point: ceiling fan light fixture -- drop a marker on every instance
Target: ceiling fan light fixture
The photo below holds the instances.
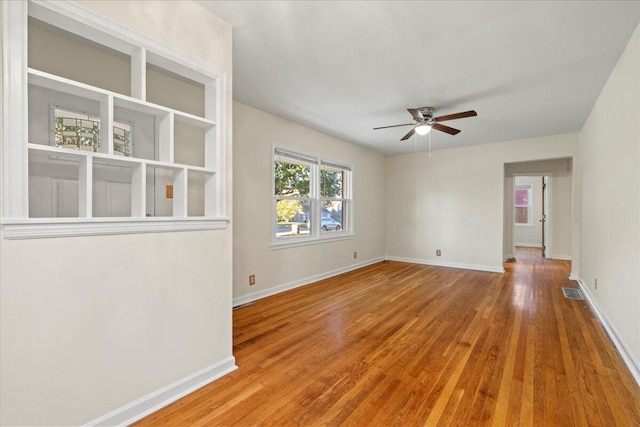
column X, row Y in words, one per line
column 423, row 129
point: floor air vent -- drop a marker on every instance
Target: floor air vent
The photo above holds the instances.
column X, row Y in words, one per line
column 573, row 293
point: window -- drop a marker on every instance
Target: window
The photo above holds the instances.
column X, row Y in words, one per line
column 76, row 131
column 81, row 131
column 122, row 144
column 311, row 198
column 522, row 204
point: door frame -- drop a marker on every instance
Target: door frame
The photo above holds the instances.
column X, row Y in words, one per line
column 547, row 211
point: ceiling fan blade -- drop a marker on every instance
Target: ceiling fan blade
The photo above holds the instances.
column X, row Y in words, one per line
column 409, row 135
column 455, row 116
column 446, row 129
column 417, row 114
column 394, row 126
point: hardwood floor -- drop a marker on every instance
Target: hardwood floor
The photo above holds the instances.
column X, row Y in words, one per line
column 406, row 344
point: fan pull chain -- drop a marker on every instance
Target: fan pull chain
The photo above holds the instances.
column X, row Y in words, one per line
column 429, row 144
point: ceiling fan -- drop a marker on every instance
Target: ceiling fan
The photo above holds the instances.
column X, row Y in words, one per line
column 424, row 121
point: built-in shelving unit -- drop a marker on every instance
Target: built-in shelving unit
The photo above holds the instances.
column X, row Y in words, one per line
column 105, row 130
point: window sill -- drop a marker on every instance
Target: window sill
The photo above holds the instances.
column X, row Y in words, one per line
column 292, row 243
column 525, row 225
column 36, row 228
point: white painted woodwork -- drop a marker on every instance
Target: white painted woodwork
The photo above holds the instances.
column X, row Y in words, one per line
column 139, row 74
column 165, row 137
column 180, row 191
column 138, row 186
column 14, row 65
column 106, row 122
column 85, row 190
column 31, row 91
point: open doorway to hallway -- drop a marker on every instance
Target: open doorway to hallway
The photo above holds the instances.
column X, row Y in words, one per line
column 529, row 212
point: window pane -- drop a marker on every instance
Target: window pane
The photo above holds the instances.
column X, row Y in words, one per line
column 77, row 131
column 522, row 215
column 522, row 197
column 331, row 182
column 332, row 216
column 291, row 179
column 122, row 139
column 293, row 218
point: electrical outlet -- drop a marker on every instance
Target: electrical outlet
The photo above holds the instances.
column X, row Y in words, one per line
column 252, row 280
column 438, row 252
column 355, row 255
column 596, row 283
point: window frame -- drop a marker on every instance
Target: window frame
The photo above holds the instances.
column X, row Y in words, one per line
column 316, row 163
column 529, row 188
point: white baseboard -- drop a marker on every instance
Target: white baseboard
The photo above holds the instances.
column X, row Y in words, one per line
column 245, row 299
column 627, row 356
column 152, row 402
column 561, row 257
column 489, row 268
column 529, row 245
column 302, row 282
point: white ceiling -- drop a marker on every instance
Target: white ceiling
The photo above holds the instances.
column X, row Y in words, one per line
column 529, row 68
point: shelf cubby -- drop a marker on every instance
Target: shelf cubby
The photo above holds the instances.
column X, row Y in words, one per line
column 54, row 184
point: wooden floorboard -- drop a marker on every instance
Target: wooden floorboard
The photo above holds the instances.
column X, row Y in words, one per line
column 405, row 344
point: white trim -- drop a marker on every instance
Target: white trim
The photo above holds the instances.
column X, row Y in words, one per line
column 152, row 402
column 302, row 282
column 304, row 241
column 312, row 279
column 315, row 199
column 623, row 349
column 463, row 266
column 560, row 257
column 529, row 245
column 69, row 227
column 14, row 111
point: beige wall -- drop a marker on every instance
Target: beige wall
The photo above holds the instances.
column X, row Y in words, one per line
column 454, row 200
column 89, row 324
column 255, row 132
column 562, row 215
column 610, row 150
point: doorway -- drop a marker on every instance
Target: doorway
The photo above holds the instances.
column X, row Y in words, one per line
column 558, row 208
column 531, row 212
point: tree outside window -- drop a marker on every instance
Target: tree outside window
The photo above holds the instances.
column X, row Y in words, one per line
column 310, row 196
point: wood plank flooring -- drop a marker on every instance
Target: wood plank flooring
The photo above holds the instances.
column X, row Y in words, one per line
column 405, row 344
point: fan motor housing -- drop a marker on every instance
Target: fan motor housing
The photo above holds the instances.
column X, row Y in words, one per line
column 427, row 111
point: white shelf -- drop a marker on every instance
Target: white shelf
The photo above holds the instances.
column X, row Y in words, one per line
column 192, row 120
column 62, row 84
column 34, row 97
column 114, row 159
